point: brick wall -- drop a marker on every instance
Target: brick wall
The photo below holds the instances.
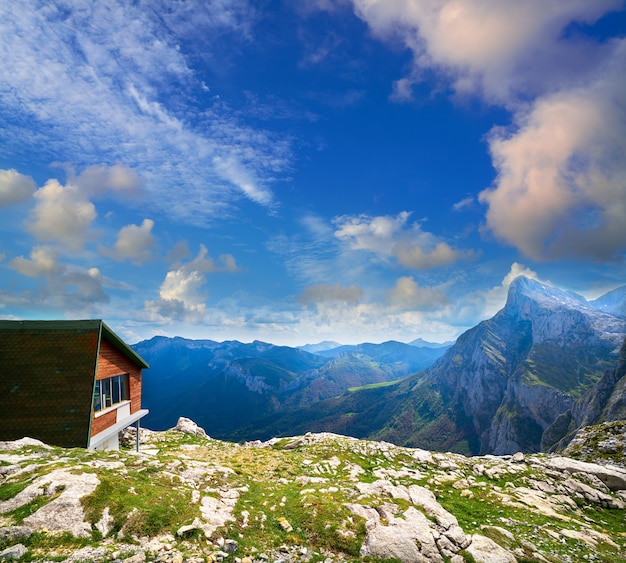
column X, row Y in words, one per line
column 112, row 362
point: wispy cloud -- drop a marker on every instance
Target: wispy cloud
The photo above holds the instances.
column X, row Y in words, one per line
column 103, row 83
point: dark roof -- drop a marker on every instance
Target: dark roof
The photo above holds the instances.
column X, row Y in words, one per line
column 48, row 368
column 91, row 324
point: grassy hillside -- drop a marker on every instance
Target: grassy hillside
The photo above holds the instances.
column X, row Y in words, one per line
column 318, row 497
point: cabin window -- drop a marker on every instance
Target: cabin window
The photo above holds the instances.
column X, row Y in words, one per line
column 110, row 391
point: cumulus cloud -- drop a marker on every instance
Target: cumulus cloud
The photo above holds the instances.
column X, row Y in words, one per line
column 389, row 236
column 106, row 181
column 61, row 214
column 412, row 254
column 495, row 47
column 181, row 295
column 68, row 287
column 407, row 294
column 44, row 260
column 15, row 187
column 134, row 243
column 376, row 234
column 561, row 184
column 330, row 293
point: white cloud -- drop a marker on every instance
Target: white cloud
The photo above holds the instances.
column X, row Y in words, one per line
column 181, row 295
column 463, row 204
column 15, row 187
column 375, row 234
column 389, row 236
column 134, row 242
column 128, row 75
column 495, row 47
column 62, row 215
column 330, row 293
column 67, row 287
column 483, row 304
column 44, row 260
column 408, row 294
column 106, row 181
column 411, row 254
column 561, row 185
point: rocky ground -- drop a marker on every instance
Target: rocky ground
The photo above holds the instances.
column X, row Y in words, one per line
column 318, row 497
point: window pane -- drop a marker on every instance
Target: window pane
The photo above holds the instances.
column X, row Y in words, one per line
column 116, row 389
column 97, row 397
column 106, row 392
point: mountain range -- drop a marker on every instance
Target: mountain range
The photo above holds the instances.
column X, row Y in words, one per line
column 524, row 380
column 225, row 386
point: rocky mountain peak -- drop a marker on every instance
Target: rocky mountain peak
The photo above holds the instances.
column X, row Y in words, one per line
column 524, row 290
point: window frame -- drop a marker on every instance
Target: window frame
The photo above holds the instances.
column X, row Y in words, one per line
column 110, row 392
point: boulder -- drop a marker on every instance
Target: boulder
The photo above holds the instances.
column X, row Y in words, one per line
column 485, row 550
column 13, row 552
column 188, row 426
column 613, row 477
column 62, row 514
column 14, row 533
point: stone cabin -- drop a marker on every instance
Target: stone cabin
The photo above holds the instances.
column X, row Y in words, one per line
column 68, row 383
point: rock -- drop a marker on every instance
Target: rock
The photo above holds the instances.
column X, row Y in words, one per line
column 189, row 527
column 23, row 443
column 517, row 457
column 188, row 426
column 63, row 514
column 425, row 499
column 14, row 533
column 13, row 552
column 408, row 538
column 485, row 550
column 216, row 512
column 137, row 558
column 105, row 524
column 613, row 477
column 230, row 546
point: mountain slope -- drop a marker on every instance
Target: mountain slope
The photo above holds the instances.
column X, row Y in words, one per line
column 226, row 386
column 604, row 402
column 496, row 390
column 506, row 380
column 613, row 302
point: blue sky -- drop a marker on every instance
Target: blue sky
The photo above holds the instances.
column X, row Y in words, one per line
column 306, row 170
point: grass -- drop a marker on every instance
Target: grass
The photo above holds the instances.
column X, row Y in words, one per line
column 310, row 487
column 374, row 385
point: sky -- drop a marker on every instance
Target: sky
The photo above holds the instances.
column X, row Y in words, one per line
column 294, row 171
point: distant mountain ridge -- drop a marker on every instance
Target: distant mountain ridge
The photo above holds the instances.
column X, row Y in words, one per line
column 227, row 385
column 496, row 390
